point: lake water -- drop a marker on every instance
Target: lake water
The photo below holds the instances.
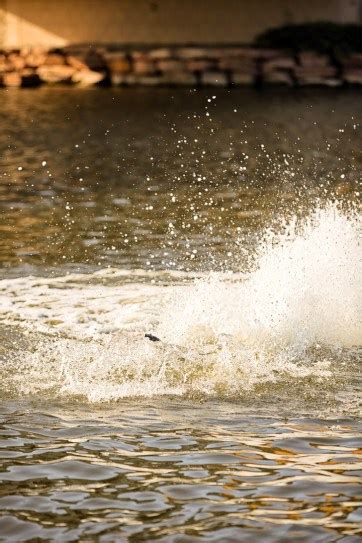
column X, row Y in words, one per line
column 227, row 224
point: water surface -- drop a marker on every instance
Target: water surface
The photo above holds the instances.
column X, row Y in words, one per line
column 227, row 223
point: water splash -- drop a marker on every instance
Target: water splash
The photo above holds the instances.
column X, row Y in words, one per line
column 295, row 315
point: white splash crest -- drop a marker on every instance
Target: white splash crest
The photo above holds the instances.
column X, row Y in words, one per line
column 221, row 334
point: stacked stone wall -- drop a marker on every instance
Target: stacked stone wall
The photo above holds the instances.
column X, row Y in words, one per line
column 175, row 66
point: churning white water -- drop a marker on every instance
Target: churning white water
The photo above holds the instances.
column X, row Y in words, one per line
column 296, row 314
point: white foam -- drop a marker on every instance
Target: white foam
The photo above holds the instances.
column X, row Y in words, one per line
column 221, row 333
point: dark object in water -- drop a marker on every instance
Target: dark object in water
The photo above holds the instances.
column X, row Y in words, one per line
column 152, row 338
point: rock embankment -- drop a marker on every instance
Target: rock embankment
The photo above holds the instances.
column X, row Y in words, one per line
column 175, row 66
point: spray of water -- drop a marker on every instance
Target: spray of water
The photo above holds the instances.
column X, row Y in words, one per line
column 297, row 314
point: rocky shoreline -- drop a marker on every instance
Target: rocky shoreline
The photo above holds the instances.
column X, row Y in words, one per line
column 176, row 66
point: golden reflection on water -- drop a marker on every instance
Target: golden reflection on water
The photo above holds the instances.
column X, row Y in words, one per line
column 150, row 471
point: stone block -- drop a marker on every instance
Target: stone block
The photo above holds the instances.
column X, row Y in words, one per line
column 56, row 74
column 277, row 77
column 237, row 64
column 16, row 61
column 283, row 62
column 169, row 65
column 199, row 65
column 12, row 79
column 143, row 67
column 192, row 53
column 54, row 59
column 310, row 80
column 214, row 79
column 76, row 62
column 87, row 78
column 179, row 78
column 242, row 78
column 302, row 72
column 308, row 58
column 118, row 63
column 140, row 56
column 267, row 54
column 353, row 76
column 35, row 59
column 158, row 54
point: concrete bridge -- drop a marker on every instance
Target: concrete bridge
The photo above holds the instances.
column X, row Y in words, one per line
column 52, row 23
